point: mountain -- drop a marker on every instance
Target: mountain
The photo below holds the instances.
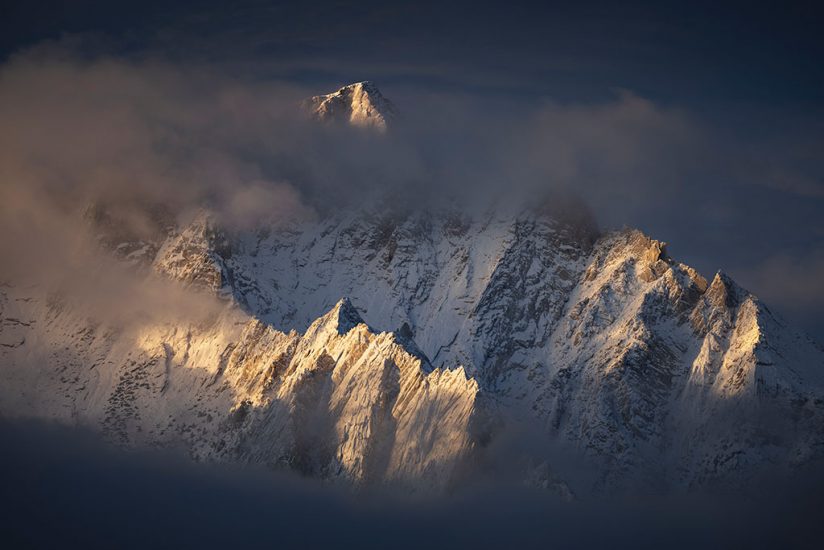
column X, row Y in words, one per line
column 359, row 104
column 387, row 345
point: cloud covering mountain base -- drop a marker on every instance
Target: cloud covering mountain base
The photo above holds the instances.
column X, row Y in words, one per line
column 66, row 487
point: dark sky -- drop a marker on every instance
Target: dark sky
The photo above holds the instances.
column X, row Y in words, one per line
column 747, row 196
column 703, row 54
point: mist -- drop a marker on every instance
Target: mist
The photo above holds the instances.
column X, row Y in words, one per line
column 92, row 496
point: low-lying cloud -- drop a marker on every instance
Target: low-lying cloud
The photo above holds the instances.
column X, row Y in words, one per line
column 65, row 487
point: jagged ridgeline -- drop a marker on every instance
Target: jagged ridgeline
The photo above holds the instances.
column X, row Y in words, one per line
column 377, row 345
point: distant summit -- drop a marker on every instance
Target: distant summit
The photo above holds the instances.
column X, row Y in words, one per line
column 358, row 104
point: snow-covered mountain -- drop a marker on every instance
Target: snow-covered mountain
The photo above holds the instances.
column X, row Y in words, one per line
column 387, row 345
column 358, row 104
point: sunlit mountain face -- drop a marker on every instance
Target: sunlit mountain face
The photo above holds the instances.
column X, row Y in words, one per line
column 235, row 271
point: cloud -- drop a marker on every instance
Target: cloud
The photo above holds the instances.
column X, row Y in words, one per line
column 143, row 142
column 125, row 132
column 623, row 155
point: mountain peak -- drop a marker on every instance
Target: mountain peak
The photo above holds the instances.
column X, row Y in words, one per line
column 358, row 104
column 346, row 314
column 343, row 317
column 723, row 290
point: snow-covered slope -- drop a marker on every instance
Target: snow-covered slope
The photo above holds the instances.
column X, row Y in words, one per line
column 340, row 401
column 389, row 345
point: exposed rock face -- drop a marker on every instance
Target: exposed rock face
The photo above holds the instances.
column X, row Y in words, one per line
column 383, row 346
column 196, row 255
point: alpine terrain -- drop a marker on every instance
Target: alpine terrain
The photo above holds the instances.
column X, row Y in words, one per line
column 399, row 345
